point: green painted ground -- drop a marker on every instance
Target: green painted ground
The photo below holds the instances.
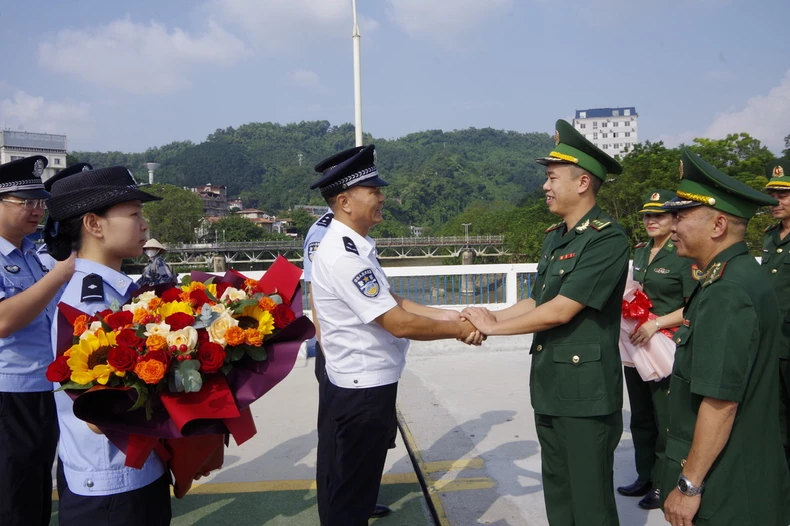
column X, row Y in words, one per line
column 286, row 508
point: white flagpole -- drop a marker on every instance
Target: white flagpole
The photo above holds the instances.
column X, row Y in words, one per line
column 355, row 37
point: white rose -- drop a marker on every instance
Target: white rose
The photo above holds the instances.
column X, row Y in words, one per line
column 219, row 308
column 160, row 329
column 232, row 294
column 217, row 330
column 187, row 336
column 95, row 326
column 141, row 302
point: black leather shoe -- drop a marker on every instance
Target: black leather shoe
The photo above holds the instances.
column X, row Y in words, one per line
column 380, row 511
column 651, row 501
column 637, row 489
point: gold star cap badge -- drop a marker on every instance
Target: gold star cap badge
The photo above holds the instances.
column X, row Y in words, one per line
column 556, row 137
column 778, row 171
column 655, row 197
column 680, row 169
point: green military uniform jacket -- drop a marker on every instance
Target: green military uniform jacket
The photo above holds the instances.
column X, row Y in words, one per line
column 668, row 280
column 576, row 369
column 727, row 349
column 776, row 265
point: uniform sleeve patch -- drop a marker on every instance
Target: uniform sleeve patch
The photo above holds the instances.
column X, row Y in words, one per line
column 349, row 245
column 367, row 283
column 311, row 248
column 696, row 273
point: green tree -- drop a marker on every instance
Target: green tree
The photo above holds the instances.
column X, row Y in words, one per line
column 235, row 229
column 786, row 151
column 302, row 220
column 174, row 218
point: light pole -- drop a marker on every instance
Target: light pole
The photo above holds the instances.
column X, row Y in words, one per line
column 151, row 167
column 466, row 232
column 355, row 37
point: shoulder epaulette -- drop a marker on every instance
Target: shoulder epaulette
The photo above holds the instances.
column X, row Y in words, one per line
column 554, row 227
column 771, row 227
column 92, row 288
column 325, row 219
column 640, row 245
column 349, row 245
column 599, row 224
column 714, row 273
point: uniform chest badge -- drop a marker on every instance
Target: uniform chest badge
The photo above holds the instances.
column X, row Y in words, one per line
column 311, row 248
column 661, row 270
column 567, row 256
column 367, row 283
column 13, row 269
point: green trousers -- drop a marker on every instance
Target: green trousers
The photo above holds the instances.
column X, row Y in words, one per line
column 577, row 457
column 649, row 422
column 784, row 405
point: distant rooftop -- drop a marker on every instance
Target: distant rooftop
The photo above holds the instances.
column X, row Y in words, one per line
column 21, row 139
column 597, row 113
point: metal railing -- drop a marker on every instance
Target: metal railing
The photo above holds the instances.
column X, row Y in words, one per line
column 381, row 242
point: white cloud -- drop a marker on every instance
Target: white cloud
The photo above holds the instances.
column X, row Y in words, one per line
column 278, row 26
column 445, row 21
column 23, row 111
column 765, row 117
column 137, row 58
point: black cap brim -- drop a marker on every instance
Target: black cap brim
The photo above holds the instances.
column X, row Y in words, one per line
column 31, row 194
column 545, row 161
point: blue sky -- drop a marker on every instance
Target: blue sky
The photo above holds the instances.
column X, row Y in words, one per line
column 130, row 75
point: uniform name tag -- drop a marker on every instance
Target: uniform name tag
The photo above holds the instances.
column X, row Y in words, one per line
column 367, row 283
column 311, row 248
column 567, row 256
column 13, row 269
column 661, row 270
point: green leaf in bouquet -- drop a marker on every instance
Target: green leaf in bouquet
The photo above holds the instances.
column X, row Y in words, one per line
column 142, row 395
column 276, row 298
column 75, row 386
column 240, row 306
column 210, row 296
column 205, row 318
column 188, row 376
column 104, row 324
column 186, row 279
column 115, row 306
column 225, row 369
column 140, row 332
column 236, row 353
column 258, row 354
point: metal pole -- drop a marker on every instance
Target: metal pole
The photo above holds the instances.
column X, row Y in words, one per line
column 355, row 37
column 466, row 232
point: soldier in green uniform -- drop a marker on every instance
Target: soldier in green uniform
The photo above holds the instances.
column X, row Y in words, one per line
column 576, row 380
column 724, row 459
column 667, row 280
column 776, row 265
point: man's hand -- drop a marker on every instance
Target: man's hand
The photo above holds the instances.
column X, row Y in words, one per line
column 482, row 318
column 680, row 509
column 645, row 331
column 65, row 269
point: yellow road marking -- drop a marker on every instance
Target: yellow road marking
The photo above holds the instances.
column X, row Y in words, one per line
column 462, row 484
column 454, row 465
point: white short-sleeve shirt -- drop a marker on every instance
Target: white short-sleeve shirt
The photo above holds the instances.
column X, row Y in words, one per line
column 350, row 290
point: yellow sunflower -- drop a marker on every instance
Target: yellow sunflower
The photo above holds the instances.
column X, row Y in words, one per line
column 166, row 309
column 196, row 285
column 88, row 359
column 254, row 317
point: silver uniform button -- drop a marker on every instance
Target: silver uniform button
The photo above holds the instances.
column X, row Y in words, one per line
column 539, row 348
column 778, row 250
column 356, row 381
column 575, row 359
column 562, row 271
column 89, row 483
column 773, row 271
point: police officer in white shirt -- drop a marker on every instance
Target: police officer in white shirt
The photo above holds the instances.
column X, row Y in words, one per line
column 364, row 332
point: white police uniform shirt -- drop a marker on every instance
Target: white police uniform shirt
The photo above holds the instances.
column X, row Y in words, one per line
column 350, row 290
column 93, row 466
column 311, row 242
column 25, row 354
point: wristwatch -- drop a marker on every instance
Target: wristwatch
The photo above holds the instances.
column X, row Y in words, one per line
column 687, row 488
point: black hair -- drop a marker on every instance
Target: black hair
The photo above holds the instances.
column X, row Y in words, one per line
column 64, row 237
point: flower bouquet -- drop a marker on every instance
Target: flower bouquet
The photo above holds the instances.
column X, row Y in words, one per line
column 175, row 369
column 654, row 359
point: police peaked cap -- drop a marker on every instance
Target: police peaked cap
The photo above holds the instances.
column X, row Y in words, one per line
column 93, row 190
column 22, row 178
column 71, row 170
column 353, row 167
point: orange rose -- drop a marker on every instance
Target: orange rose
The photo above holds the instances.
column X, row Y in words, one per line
column 80, row 324
column 253, row 337
column 267, row 304
column 140, row 316
column 250, row 284
column 154, row 303
column 150, row 371
column 234, row 335
column 156, row 342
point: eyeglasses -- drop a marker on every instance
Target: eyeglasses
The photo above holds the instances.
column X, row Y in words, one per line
column 28, row 204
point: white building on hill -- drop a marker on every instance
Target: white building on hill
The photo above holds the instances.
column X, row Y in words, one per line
column 19, row 144
column 614, row 130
